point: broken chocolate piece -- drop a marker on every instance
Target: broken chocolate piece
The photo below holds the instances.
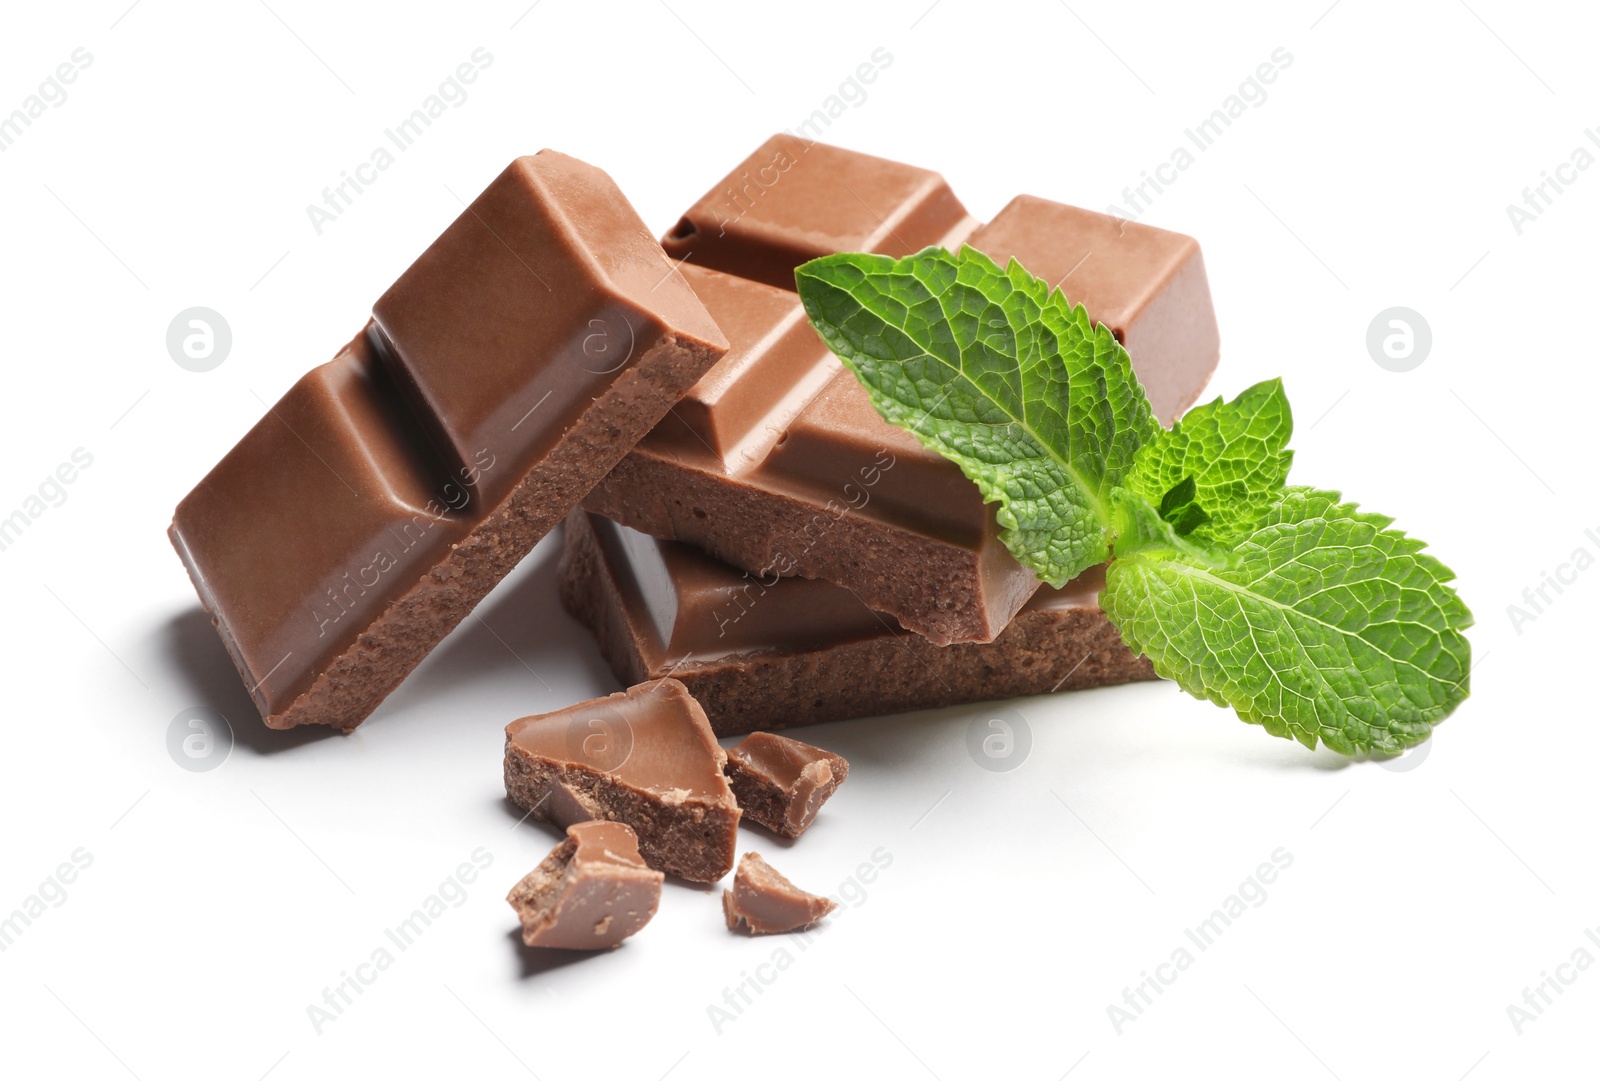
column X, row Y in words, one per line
column 389, row 490
column 645, row 757
column 781, row 782
column 767, row 903
column 761, row 653
column 591, row 892
column 777, row 462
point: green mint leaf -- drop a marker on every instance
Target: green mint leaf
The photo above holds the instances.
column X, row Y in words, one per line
column 1229, row 458
column 1328, row 626
column 990, row 368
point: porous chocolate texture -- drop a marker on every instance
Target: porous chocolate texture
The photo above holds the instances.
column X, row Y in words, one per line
column 645, row 757
column 592, row 891
column 390, row 489
column 780, row 652
column 782, row 783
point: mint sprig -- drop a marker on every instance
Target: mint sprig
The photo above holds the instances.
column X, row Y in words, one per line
column 1228, row 460
column 1309, row 617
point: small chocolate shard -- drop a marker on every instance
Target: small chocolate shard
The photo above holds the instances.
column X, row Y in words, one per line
column 645, row 757
column 781, row 782
column 591, row 892
column 767, row 903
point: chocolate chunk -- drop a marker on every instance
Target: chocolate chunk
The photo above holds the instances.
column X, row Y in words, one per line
column 591, row 892
column 781, row 782
column 645, row 757
column 779, row 652
column 520, row 357
column 776, row 461
column 767, row 903
column 794, row 200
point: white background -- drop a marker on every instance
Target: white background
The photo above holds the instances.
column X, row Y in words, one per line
column 1019, row 905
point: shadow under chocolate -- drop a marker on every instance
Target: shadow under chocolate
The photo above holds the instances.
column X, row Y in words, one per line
column 196, row 656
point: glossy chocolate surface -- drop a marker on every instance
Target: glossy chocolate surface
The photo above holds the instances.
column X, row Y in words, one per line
column 1147, row 285
column 529, row 305
column 301, row 534
column 590, row 893
column 767, row 903
column 739, row 408
column 793, row 200
column 650, row 738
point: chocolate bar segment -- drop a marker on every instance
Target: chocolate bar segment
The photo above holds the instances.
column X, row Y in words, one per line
column 301, row 537
column 767, row 903
column 545, row 292
column 780, row 652
column 591, row 892
column 781, row 782
column 793, row 200
column 1147, row 285
column 736, row 412
column 818, row 485
column 645, row 757
column 391, row 489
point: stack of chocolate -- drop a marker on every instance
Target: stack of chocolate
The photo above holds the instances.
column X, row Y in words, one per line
column 738, row 517
column 792, row 557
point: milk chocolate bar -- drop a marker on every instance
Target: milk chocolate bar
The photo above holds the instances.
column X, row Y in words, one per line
column 781, row 782
column 592, row 891
column 764, row 653
column 776, row 460
column 390, row 489
column 644, row 757
column 767, row 903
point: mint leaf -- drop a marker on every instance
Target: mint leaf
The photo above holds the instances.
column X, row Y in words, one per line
column 1220, row 467
column 990, row 368
column 1310, row 617
column 1329, row 625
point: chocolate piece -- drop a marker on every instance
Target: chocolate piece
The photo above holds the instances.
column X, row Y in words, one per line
column 777, row 462
column 779, row 652
column 645, row 757
column 767, row 903
column 1147, row 285
column 591, row 892
column 391, row 489
column 794, row 200
column 781, row 782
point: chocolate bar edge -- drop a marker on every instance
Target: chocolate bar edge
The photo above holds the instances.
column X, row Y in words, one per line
column 738, row 694
column 799, row 539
